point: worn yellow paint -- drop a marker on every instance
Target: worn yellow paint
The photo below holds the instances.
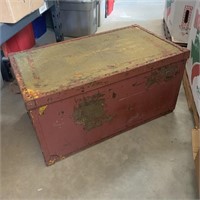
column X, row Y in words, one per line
column 82, row 61
column 91, row 113
column 42, row 109
column 51, row 162
column 54, row 159
column 31, row 93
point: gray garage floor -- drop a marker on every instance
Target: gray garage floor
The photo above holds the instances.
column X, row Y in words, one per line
column 152, row 161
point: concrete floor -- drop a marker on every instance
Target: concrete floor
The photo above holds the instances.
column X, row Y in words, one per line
column 152, row 161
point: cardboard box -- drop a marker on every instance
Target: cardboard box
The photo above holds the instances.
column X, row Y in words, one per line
column 178, row 16
column 196, row 149
column 193, row 63
column 11, row 11
column 103, row 85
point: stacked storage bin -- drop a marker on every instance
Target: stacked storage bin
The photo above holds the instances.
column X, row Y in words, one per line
column 78, row 17
column 23, row 40
column 101, row 12
column 39, row 26
column 110, row 6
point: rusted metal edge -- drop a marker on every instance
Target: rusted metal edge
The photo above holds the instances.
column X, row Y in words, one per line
column 66, row 92
column 29, row 100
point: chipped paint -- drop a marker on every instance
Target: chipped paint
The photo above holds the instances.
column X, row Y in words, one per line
column 114, row 95
column 170, row 72
column 86, row 60
column 54, row 158
column 42, row 109
column 29, row 93
column 90, row 105
column 162, row 74
column 51, row 162
column 91, row 113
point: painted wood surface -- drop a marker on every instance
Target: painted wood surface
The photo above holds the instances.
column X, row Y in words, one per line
column 89, row 89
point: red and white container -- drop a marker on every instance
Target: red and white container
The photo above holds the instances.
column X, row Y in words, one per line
column 178, row 17
column 193, row 63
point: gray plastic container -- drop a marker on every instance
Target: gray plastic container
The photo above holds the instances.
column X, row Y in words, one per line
column 101, row 12
column 78, row 17
column 1, row 81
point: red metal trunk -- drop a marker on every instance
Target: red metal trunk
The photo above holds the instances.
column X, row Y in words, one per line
column 82, row 91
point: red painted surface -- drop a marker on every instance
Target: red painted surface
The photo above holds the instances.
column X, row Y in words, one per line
column 23, row 40
column 110, row 6
column 68, row 120
column 128, row 103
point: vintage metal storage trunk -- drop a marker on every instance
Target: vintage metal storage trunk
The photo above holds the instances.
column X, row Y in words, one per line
column 82, row 91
